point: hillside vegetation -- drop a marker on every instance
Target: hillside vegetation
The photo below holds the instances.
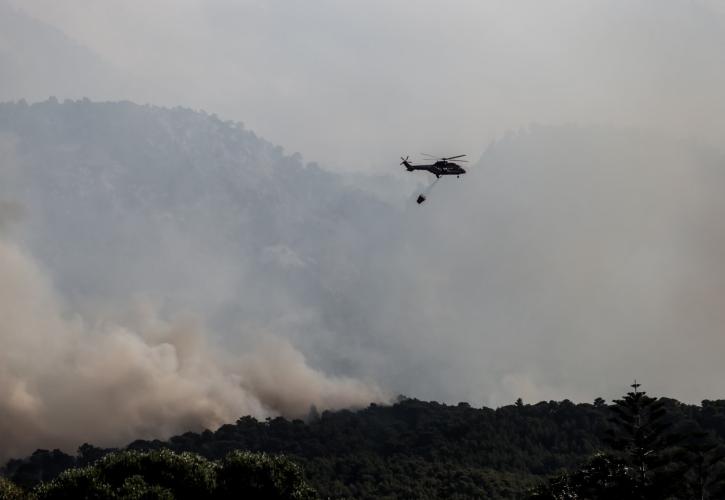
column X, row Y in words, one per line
column 416, row 449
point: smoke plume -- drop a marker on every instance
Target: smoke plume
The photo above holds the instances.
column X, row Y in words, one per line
column 64, row 382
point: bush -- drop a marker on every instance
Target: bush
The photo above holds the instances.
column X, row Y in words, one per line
column 259, row 475
column 185, row 475
column 165, row 475
column 10, row 491
column 72, row 484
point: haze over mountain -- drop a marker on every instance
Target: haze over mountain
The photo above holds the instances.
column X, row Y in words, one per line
column 151, row 239
column 150, row 224
column 191, row 271
column 353, row 85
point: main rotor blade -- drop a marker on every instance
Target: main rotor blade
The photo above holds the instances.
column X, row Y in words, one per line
column 454, row 157
column 430, row 156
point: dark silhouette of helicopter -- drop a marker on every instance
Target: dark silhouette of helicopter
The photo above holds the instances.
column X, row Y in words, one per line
column 442, row 166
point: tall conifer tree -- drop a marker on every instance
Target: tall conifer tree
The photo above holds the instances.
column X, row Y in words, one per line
column 642, row 437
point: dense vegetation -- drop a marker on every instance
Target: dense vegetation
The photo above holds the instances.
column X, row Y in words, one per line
column 163, row 474
column 416, row 449
column 654, row 452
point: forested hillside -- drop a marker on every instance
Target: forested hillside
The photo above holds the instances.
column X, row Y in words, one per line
column 416, row 449
column 190, row 255
column 561, row 242
column 121, row 198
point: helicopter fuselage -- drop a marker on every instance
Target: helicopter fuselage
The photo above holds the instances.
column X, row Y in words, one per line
column 438, row 168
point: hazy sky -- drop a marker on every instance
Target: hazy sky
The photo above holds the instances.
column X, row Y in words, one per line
column 355, row 84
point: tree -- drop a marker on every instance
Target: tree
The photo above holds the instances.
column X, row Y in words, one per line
column 602, row 477
column 10, row 491
column 641, row 437
column 163, row 474
column 83, row 483
column 258, row 475
column 42, row 465
column 704, row 455
column 154, row 474
column 644, row 463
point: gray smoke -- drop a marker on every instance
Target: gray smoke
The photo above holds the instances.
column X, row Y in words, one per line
column 569, row 261
column 10, row 213
column 64, row 381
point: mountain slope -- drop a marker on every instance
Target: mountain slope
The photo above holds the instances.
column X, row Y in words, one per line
column 165, row 191
column 164, row 270
column 562, row 257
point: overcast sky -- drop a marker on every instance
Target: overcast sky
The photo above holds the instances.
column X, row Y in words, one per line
column 355, row 84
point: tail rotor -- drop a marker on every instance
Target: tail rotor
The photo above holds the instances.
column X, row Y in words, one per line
column 406, row 163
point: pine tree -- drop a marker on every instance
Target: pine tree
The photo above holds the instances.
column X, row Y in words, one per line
column 642, row 438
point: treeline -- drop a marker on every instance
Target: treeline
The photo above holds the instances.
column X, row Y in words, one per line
column 416, row 449
column 653, row 452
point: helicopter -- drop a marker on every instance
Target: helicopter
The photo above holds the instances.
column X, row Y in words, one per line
column 441, row 166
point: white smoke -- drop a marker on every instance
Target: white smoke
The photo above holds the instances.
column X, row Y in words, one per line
column 64, row 382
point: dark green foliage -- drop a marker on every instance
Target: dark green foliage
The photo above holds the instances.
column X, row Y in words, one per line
column 42, row 465
column 185, row 475
column 165, row 475
column 89, row 454
column 706, row 475
column 84, row 483
column 131, row 474
column 416, row 449
column 642, row 437
column 136, row 487
column 9, row 490
column 413, row 449
column 603, row 477
column 657, row 452
column 258, row 475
